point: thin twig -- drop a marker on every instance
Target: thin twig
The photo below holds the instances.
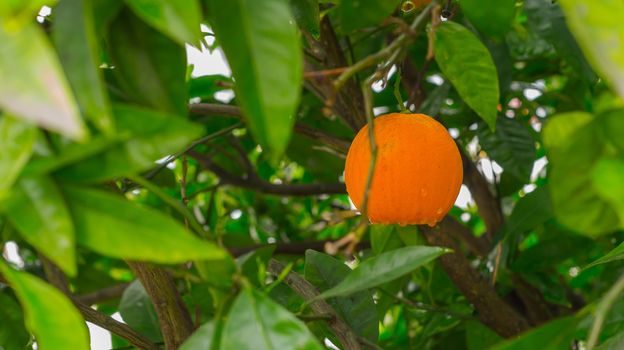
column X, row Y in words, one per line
column 602, row 310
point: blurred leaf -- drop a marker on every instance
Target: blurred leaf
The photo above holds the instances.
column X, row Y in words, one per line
column 306, row 13
column 205, row 86
column 218, row 275
column 21, row 11
column 384, row 238
column 33, row 85
column 435, row 100
column 546, row 19
column 49, row 315
column 13, row 335
column 557, row 334
column 491, row 17
column 16, row 142
column 613, row 343
column 36, row 208
column 148, row 136
column 137, row 311
column 111, row 225
column 531, row 210
column 256, row 322
column 479, row 337
column 180, row 20
column 357, row 310
column 384, row 268
column 511, row 146
column 261, row 43
column 573, row 145
column 616, row 254
column 355, row 14
column 467, row 63
column 608, row 179
column 550, row 251
column 201, row 339
column 253, row 264
column 75, row 39
column 149, row 67
column 599, row 28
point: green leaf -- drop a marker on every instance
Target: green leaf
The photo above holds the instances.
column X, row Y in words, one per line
column 557, row 334
column 479, row 337
column 546, row 18
column 616, row 254
column 16, row 142
column 467, row 63
column 574, row 144
column 37, row 210
column 138, row 312
column 384, row 238
column 13, row 335
column 148, row 136
column 511, row 146
column 78, row 47
column 255, row 322
column 357, row 310
column 608, row 180
column 599, row 28
column 306, row 13
column 355, row 14
column 201, row 339
column 179, row 20
column 491, row 17
column 33, row 85
column 49, row 315
column 253, row 264
column 112, row 226
column 149, row 67
column 531, row 210
column 613, row 343
column 262, row 46
column 384, row 268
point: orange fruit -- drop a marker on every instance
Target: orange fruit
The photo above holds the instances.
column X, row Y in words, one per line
column 417, row 175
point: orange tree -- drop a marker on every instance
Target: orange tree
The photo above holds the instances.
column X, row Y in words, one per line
column 210, row 211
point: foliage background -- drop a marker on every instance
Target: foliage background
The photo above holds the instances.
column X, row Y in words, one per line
column 128, row 186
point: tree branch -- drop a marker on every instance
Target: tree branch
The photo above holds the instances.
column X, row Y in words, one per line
column 174, row 319
column 262, row 186
column 292, row 248
column 493, row 311
column 56, row 277
column 307, row 291
column 104, row 294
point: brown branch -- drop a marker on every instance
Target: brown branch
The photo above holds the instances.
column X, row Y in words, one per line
column 112, row 292
column 173, row 316
column 307, row 291
column 477, row 245
column 213, row 109
column 262, row 186
column 493, row 311
column 56, row 277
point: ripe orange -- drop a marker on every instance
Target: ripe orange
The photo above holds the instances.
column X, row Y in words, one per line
column 418, row 172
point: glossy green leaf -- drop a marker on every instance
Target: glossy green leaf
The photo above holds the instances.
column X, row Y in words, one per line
column 36, row 208
column 467, row 63
column 491, row 17
column 180, row 20
column 16, row 141
column 75, row 39
column 599, row 28
column 355, row 14
column 148, row 136
column 511, row 146
column 384, row 238
column 384, row 268
column 357, row 310
column 557, row 334
column 531, row 210
column 546, row 18
column 150, row 68
column 306, row 13
column 111, row 225
column 255, row 322
column 13, row 335
column 616, row 254
column 49, row 314
column 33, row 85
column 201, row 339
column 137, row 311
column 574, row 145
column 262, row 46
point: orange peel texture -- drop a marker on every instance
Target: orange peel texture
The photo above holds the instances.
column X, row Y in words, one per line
column 418, row 172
